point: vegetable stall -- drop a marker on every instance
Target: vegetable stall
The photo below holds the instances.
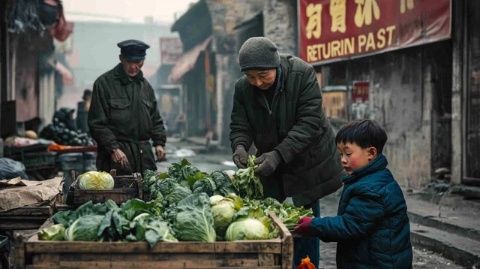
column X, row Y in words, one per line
column 186, row 219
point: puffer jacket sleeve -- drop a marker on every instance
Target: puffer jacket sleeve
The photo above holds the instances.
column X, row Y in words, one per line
column 361, row 214
column 98, row 120
column 240, row 129
column 309, row 118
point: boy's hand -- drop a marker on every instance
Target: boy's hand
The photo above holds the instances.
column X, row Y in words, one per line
column 303, row 227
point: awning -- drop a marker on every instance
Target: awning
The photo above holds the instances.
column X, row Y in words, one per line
column 187, row 61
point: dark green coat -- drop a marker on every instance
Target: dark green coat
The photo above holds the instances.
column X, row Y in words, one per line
column 123, row 114
column 296, row 127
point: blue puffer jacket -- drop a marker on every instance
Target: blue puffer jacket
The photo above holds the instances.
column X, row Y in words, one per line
column 372, row 227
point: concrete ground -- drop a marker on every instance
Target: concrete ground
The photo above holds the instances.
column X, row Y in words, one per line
column 208, row 160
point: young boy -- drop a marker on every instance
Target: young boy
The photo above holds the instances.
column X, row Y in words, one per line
column 371, row 227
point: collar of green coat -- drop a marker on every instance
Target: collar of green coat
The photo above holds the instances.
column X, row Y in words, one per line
column 377, row 164
column 124, row 78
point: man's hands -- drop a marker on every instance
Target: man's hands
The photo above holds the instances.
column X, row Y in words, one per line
column 119, row 156
column 240, row 157
column 267, row 163
column 160, row 152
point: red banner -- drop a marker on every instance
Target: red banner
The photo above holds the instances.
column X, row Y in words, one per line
column 332, row 30
column 360, row 91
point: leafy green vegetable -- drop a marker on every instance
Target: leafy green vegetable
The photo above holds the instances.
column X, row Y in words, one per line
column 177, row 193
column 156, row 230
column 134, row 207
column 247, row 184
column 84, row 228
column 206, row 185
column 185, row 173
column 134, row 220
column 193, row 220
column 223, row 183
column 54, row 232
column 89, row 208
column 287, row 213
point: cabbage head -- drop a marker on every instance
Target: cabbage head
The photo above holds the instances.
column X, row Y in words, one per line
column 223, row 210
column 194, row 219
column 94, row 180
column 84, row 228
column 247, row 229
column 178, row 193
column 54, row 232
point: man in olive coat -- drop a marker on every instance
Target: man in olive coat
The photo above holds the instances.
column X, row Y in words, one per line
column 124, row 117
column 278, row 107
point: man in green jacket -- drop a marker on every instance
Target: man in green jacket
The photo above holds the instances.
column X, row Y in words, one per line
column 124, row 117
column 278, row 108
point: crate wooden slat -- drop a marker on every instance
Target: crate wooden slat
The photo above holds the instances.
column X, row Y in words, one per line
column 273, row 254
column 25, row 218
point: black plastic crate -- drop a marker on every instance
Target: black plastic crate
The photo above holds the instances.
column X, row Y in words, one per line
column 71, row 161
column 36, row 160
column 39, row 160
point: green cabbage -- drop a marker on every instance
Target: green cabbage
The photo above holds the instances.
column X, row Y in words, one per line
column 206, row 185
column 247, row 229
column 193, row 220
column 84, row 228
column 54, row 232
column 177, row 193
column 223, row 210
column 93, row 180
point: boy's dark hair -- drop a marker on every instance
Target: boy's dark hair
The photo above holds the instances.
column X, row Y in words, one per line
column 365, row 133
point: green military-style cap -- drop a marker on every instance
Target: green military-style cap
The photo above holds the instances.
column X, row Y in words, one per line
column 133, row 50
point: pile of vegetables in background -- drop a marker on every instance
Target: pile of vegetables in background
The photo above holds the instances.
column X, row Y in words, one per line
column 63, row 131
column 184, row 204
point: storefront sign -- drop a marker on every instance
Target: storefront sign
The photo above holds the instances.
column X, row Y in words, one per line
column 332, row 30
column 360, row 91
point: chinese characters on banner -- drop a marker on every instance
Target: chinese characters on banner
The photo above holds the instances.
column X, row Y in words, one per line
column 331, row 30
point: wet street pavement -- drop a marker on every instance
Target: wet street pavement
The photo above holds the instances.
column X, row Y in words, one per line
column 211, row 161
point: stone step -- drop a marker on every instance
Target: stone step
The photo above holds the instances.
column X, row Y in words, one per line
column 458, row 221
column 463, row 250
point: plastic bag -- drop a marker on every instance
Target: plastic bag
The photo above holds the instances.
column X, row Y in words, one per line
column 10, row 169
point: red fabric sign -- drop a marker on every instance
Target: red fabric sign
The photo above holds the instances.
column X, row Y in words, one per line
column 360, row 91
column 332, row 30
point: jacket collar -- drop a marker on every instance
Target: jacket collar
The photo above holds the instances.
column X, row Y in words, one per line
column 377, row 164
column 123, row 77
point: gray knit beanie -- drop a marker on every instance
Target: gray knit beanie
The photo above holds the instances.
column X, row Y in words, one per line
column 258, row 53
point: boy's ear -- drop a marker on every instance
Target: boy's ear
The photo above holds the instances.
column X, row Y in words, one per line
column 372, row 153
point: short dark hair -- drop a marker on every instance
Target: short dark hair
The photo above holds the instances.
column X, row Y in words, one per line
column 365, row 133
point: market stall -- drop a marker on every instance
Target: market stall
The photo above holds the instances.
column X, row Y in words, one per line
column 185, row 218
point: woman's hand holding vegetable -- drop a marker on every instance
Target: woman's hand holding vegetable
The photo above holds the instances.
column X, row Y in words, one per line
column 267, row 163
column 240, row 157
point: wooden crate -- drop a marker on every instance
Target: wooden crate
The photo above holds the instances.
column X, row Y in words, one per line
column 273, row 254
column 25, row 218
column 126, row 188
